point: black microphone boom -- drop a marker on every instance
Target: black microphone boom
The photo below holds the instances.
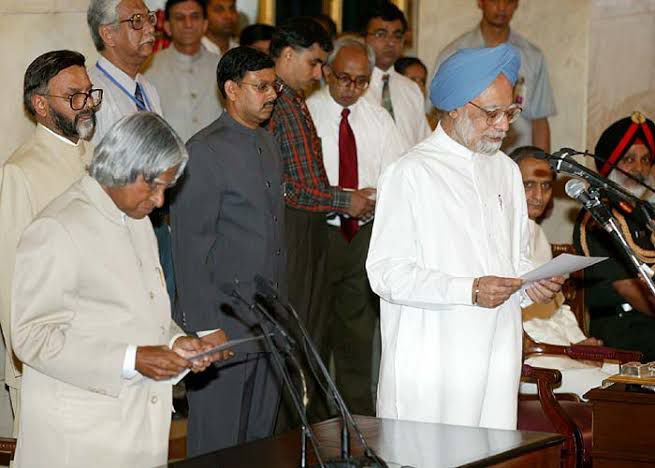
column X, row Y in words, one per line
column 265, row 288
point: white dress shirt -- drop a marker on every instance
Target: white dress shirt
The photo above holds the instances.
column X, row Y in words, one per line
column 378, row 141
column 187, row 89
column 407, row 101
column 211, row 46
column 116, row 102
column 444, row 216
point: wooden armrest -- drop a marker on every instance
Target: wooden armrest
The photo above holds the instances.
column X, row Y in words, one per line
column 582, row 352
column 7, row 449
column 550, row 377
column 601, row 353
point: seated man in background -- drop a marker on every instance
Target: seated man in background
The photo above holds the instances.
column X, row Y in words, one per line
column 621, row 307
column 554, row 322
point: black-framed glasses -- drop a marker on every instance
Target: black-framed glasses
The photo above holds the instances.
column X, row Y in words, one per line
column 383, row 34
column 78, row 101
column 344, row 79
column 495, row 116
column 138, row 21
column 264, row 87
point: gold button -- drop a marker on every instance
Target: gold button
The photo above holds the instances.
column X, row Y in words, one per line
column 194, row 95
column 152, row 295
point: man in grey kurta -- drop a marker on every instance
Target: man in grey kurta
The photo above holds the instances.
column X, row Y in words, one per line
column 185, row 73
column 227, row 222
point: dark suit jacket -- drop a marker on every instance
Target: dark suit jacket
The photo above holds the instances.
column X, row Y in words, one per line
column 227, row 222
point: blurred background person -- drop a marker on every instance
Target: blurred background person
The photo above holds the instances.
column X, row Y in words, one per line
column 258, row 36
column 222, row 28
column 185, row 73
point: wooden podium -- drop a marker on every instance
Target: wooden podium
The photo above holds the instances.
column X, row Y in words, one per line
column 399, row 443
column 623, row 426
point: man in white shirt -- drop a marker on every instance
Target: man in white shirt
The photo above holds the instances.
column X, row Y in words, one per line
column 123, row 31
column 223, row 19
column 359, row 140
column 384, row 31
column 449, row 245
column 532, row 90
column 185, row 73
column 553, row 322
column 57, row 92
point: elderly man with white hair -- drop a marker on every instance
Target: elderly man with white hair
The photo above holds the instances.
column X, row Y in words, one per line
column 91, row 319
column 449, row 244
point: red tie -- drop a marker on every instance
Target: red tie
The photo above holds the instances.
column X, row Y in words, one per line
column 347, row 170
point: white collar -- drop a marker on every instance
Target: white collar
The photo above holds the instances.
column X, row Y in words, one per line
column 119, row 75
column 441, row 138
column 378, row 73
column 60, row 137
column 333, row 108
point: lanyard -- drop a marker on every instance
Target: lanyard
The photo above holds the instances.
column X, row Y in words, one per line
column 122, row 88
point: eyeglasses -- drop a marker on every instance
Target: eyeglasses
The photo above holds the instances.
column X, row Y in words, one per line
column 383, row 34
column 138, row 21
column 495, row 116
column 78, row 101
column 344, row 80
column 264, row 87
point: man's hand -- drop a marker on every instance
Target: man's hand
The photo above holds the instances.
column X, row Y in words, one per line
column 494, row 290
column 159, row 362
column 543, row 291
column 590, row 342
column 361, row 203
column 188, row 346
column 215, row 339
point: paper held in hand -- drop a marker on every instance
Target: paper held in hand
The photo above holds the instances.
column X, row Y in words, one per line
column 227, row 345
column 561, row 265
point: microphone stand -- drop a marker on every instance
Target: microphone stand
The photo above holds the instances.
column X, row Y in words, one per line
column 306, row 430
column 265, row 287
column 607, row 221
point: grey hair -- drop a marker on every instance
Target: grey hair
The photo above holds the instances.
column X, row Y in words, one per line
column 138, row 144
column 100, row 13
column 352, row 41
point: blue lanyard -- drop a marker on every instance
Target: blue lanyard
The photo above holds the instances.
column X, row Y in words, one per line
column 122, row 88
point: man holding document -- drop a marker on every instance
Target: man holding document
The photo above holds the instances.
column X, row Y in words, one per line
column 448, row 247
column 91, row 316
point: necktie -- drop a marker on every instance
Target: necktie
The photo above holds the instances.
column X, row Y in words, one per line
column 347, row 170
column 386, row 96
column 138, row 95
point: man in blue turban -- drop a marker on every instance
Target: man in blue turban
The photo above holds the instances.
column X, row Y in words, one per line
column 449, row 245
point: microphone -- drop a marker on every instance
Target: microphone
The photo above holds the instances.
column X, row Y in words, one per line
column 298, row 402
column 266, row 289
column 562, row 161
column 577, row 190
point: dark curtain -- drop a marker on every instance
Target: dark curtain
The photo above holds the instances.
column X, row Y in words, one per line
column 285, row 9
column 355, row 11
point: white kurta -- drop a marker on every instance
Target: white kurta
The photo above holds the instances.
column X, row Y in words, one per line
column 445, row 216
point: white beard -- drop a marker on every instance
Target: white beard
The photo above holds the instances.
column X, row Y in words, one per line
column 463, row 129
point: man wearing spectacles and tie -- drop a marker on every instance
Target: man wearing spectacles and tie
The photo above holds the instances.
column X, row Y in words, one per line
column 58, row 94
column 124, row 33
column 359, row 140
column 384, row 30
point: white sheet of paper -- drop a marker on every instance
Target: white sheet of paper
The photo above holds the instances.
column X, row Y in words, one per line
column 561, row 265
